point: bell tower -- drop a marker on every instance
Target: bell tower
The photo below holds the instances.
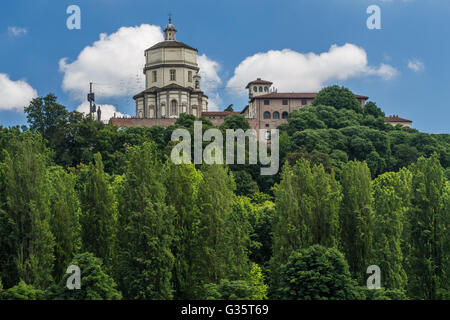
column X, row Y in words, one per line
column 170, row 33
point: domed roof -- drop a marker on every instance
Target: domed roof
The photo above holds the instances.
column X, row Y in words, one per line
column 171, row 44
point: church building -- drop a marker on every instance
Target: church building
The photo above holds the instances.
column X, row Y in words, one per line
column 172, row 81
column 173, row 87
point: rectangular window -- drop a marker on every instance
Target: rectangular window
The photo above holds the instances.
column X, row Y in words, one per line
column 155, row 76
column 285, row 102
column 173, row 75
column 190, row 76
column 266, row 102
column 304, row 101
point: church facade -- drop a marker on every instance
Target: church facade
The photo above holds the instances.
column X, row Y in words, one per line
column 172, row 82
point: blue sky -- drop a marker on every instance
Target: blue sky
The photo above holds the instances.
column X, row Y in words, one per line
column 34, row 38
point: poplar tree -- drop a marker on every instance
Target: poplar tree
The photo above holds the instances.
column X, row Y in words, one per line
column 97, row 220
column 294, row 203
column 182, row 185
column 391, row 201
column 428, row 219
column 307, row 204
column 215, row 201
column 356, row 217
column 145, row 231
column 26, row 239
column 327, row 197
column 65, row 219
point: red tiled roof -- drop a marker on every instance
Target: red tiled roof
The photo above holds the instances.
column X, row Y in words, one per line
column 258, row 81
column 396, row 118
column 218, row 113
column 295, row 95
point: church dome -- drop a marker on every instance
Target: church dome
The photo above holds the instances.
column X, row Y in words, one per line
column 171, row 44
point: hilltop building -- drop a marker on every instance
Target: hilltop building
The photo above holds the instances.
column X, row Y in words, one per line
column 172, row 82
column 268, row 108
column 395, row 120
column 173, row 86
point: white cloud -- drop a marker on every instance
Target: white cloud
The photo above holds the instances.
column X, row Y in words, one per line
column 416, row 65
column 15, row 95
column 210, row 80
column 107, row 111
column 114, row 64
column 293, row 71
column 384, row 71
column 17, row 31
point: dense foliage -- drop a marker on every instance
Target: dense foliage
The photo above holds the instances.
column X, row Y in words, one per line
column 352, row 192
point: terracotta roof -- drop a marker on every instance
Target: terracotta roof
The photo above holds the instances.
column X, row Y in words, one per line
column 296, row 95
column 258, row 81
column 395, row 118
column 171, row 44
column 218, row 113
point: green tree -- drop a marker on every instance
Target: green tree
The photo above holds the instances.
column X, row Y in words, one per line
column 307, row 202
column 235, row 121
column 317, row 273
column 252, row 289
column 48, row 118
column 95, row 283
column 223, row 232
column 229, row 108
column 145, row 233
column 337, row 97
column 428, row 220
column 356, row 217
column 245, row 185
column 261, row 220
column 22, row 291
column 26, row 239
column 182, row 185
column 391, row 201
column 65, row 218
column 97, row 202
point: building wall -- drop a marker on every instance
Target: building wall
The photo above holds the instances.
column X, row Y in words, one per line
column 275, row 105
column 170, row 56
column 140, row 122
column 404, row 124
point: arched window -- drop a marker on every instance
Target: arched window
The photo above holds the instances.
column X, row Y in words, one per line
column 266, row 89
column 174, row 107
column 276, row 115
column 197, row 84
column 267, row 115
column 255, row 88
column 260, row 89
column 284, row 115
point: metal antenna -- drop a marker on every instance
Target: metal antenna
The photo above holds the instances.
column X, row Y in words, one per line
column 91, row 99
